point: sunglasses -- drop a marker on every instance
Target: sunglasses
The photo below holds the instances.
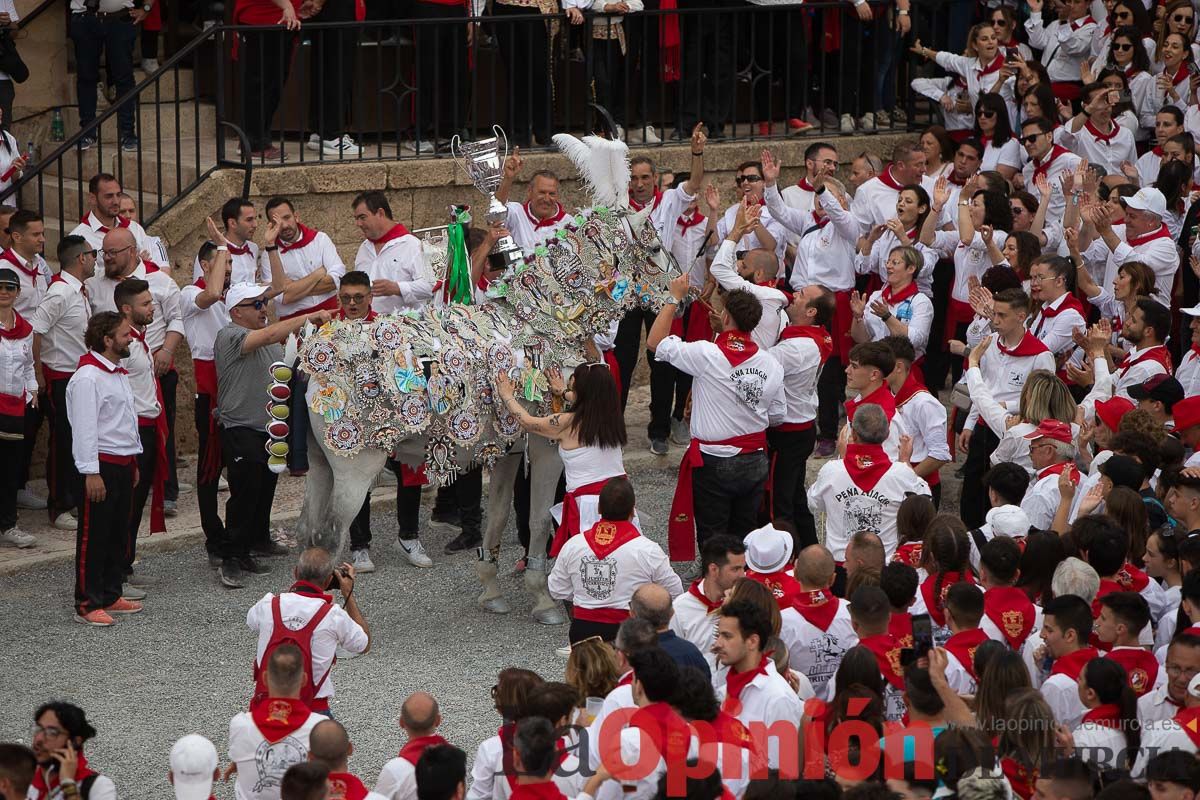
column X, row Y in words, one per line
column 999, row 23
column 1122, row 47
column 1031, row 138
column 352, row 298
column 985, row 113
column 740, row 179
column 1123, row 15
column 258, row 305
column 1181, row 18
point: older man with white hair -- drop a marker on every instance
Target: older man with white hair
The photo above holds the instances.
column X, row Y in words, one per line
column 1052, row 452
column 1143, row 238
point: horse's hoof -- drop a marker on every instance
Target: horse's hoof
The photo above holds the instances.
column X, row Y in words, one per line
column 550, row 616
column 497, row 605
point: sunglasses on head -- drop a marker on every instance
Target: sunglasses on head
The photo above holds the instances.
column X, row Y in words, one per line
column 258, row 305
column 740, row 179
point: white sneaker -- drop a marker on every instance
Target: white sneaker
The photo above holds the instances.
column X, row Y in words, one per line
column 65, row 522
column 650, row 136
column 867, row 121
column 620, row 133
column 424, row 147
column 847, row 125
column 882, row 119
column 222, row 484
column 27, row 499
column 414, row 551
column 342, row 146
column 563, row 652
column 17, row 538
column 184, row 488
column 149, row 65
column 361, row 560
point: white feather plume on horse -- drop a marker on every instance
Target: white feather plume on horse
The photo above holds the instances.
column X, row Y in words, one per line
column 603, row 165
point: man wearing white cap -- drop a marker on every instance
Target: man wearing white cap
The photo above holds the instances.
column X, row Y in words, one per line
column 1188, row 372
column 243, row 352
column 769, row 561
column 1181, row 732
column 194, row 768
column 1144, row 237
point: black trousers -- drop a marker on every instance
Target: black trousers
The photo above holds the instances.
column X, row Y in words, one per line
column 443, row 88
column 663, row 377
column 584, row 629
column 853, row 66
column 525, row 48
column 266, row 60
column 12, row 454
column 251, row 491
column 8, row 93
column 706, row 63
column 972, row 502
column 831, row 397
column 170, row 385
column 147, row 461
column 727, row 493
column 608, row 76
column 780, row 50
column 332, row 79
column 100, row 539
column 206, row 491
column 33, row 425
column 408, row 512
column 789, row 500
column 61, row 475
column 938, row 360
column 113, row 38
column 297, row 438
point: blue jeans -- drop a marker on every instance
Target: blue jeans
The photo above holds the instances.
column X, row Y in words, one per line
column 114, row 38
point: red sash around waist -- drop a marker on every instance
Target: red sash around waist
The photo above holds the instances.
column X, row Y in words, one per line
column 681, row 539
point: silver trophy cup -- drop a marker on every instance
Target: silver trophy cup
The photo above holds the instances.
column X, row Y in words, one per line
column 483, row 162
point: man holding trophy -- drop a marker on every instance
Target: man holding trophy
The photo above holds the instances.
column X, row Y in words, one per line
column 541, row 215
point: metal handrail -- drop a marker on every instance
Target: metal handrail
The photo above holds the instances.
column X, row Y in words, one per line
column 32, row 15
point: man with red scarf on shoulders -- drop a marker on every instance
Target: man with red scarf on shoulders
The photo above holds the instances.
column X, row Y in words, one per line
column 1146, row 328
column 867, row 371
column 1066, row 627
column 1008, row 614
column 875, row 201
column 264, row 742
column 391, row 256
column 737, row 393
column 329, row 745
column 1181, row 732
column 302, row 263
column 420, row 718
column 753, row 272
column 870, row 614
column 541, row 215
column 1143, row 238
column 1051, row 451
column 753, row 691
column 964, row 610
column 63, row 773
column 819, row 621
column 1049, row 159
column 921, row 415
column 722, row 562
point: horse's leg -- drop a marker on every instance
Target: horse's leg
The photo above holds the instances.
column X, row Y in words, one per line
column 352, row 479
column 318, row 486
column 500, row 492
column 545, row 468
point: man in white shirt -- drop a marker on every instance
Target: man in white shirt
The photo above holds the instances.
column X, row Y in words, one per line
column 752, row 690
column 753, row 272
column 1048, row 158
column 1066, row 626
column 1188, row 371
column 818, row 157
column 338, row 629
column 1168, row 123
column 1061, row 313
column 265, row 742
column 18, row 392
column 921, row 415
column 1093, row 134
column 737, row 393
column 59, row 324
column 722, row 562
column 105, row 447
column 1147, row 329
column 420, row 718
column 541, row 215
column 1052, row 452
column 599, row 570
column 1144, row 238
column 104, row 214
column 391, row 256
column 329, row 745
column 863, row 490
column 875, row 201
column 239, row 219
column 766, row 233
column 820, row 621
column 300, row 262
column 1182, row 663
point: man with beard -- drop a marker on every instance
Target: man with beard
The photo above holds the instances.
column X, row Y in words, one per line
column 59, row 732
column 1146, row 328
column 105, row 445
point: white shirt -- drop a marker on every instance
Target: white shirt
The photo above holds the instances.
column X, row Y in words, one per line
column 528, row 231
column 397, row 780
column 1064, row 161
column 33, row 286
column 724, row 271
column 1159, row 737
column 1062, row 695
column 672, row 203
column 1006, row 155
column 164, row 290
column 973, row 74
column 686, row 247
column 100, row 408
column 849, row 510
column 750, row 240
column 1003, row 375
column 1188, row 372
column 300, row 262
column 200, row 325
column 969, row 260
column 16, row 367
column 800, row 198
column 91, row 229
column 923, row 417
column 1109, row 151
column 1159, row 254
column 1056, row 331
column 243, row 264
column 1041, row 500
column 916, row 312
column 589, row 581
column 261, row 764
column 875, row 201
column 140, row 365
column 1064, row 45
column 767, row 699
column 801, row 361
column 399, row 260
column 727, row 401
column 693, row 621
column 61, row 320
column 876, row 261
column 824, row 248
column 1097, row 743
column 1135, row 373
column 1156, row 706
column 815, row 652
column 336, row 630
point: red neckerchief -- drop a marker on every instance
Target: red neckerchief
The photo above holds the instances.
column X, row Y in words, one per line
column 900, row 626
column 345, row 786
column 805, row 185
column 90, row 358
column 395, row 232
column 1161, row 233
column 370, row 317
column 737, row 346
column 1042, row 168
column 888, row 180
column 816, row 333
column 1020, row 777
column 882, row 397
column 1029, row 345
column 1072, row 663
column 42, row 789
column 1107, row 715
column 542, row 790
column 820, row 220
column 411, row 752
column 1158, row 151
column 1011, row 611
column 1056, row 469
column 1085, row 21
column 238, row 250
column 11, row 257
column 304, row 240
column 1131, row 71
column 735, row 682
column 1189, row 720
column 866, row 464
column 19, row 330
column 121, row 223
column 686, row 224
column 1181, row 74
column 665, row 728
column 1069, row 302
column 1158, row 354
column 695, row 591
column 1141, row 667
column 607, row 535
column 986, row 141
column 276, row 717
column 887, row 655
column 963, row 645
column 936, row 607
column 784, row 588
column 1103, row 137
column 816, row 608
column 900, row 296
column 953, row 179
column 731, row 731
column 538, row 224
column 995, row 66
column 909, row 552
column 1132, row 578
column 908, row 390
column 626, row 679
column 636, row 206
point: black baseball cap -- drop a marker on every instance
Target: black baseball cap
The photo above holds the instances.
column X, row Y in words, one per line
column 1124, row 471
column 1161, row 387
column 8, row 277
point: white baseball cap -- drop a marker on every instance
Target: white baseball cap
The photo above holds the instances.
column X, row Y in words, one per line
column 1194, row 686
column 1194, row 311
column 768, row 549
column 1149, row 199
column 241, row 292
column 1009, row 520
column 193, row 759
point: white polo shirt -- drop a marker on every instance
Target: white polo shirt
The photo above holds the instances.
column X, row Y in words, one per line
column 399, row 259
column 528, row 231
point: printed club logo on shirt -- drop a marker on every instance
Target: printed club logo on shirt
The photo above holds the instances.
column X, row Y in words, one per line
column 1139, row 681
column 599, row 577
column 271, row 760
column 1014, row 624
column 604, row 534
column 748, row 383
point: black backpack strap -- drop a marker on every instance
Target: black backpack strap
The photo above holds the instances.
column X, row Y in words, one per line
column 85, row 786
column 978, row 538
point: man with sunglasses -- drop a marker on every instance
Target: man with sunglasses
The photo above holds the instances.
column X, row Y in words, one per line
column 1046, row 158
column 766, row 233
column 244, row 351
column 1144, row 237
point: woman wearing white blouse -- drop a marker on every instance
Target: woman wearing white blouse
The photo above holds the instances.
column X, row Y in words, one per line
column 897, row 309
column 912, row 209
column 1001, row 151
column 1172, row 85
column 12, row 161
column 1127, row 53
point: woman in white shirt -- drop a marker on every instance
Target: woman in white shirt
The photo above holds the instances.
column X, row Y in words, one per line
column 1124, row 13
column 1178, row 17
column 1001, row 151
column 1134, row 279
column 897, row 309
column 1111, row 720
column 983, row 67
column 1162, row 562
column 912, row 211
column 939, row 154
column 1171, row 84
column 12, row 162
column 1128, row 55
column 1175, row 182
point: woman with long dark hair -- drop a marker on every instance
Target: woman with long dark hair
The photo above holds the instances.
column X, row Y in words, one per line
column 912, row 209
column 1111, row 720
column 590, row 437
column 939, row 151
column 1172, row 84
column 946, row 558
column 1001, row 151
column 1127, row 55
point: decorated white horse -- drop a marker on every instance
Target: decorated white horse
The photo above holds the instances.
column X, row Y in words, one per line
column 419, row 386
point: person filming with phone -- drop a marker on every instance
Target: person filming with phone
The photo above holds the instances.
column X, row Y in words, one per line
column 63, row 772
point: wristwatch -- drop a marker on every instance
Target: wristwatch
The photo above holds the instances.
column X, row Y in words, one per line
column 147, row 6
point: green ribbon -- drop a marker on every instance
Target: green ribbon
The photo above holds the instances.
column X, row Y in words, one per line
column 458, row 273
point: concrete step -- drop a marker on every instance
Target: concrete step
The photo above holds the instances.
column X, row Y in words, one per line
column 73, row 199
column 140, row 170
column 161, row 122
column 166, row 87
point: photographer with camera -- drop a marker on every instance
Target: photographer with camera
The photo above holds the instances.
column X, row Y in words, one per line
column 307, row 617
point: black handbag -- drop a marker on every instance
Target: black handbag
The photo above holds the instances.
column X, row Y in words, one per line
column 10, row 59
